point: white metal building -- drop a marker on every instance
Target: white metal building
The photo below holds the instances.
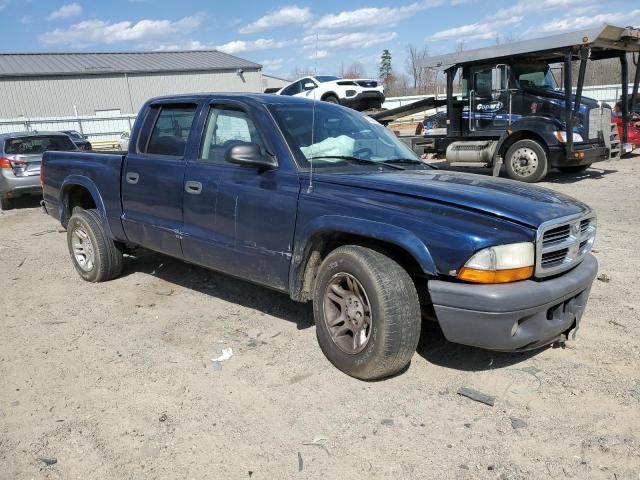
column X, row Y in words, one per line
column 53, row 85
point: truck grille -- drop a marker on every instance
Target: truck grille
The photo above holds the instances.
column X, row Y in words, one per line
column 599, row 121
column 562, row 244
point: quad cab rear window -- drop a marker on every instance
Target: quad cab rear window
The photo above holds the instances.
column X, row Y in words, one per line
column 37, row 144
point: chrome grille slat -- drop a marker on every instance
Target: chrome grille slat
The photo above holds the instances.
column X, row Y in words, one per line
column 563, row 243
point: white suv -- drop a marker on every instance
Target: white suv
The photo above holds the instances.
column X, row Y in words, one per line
column 359, row 94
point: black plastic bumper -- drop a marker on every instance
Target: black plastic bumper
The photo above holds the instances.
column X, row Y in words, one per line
column 592, row 153
column 485, row 315
column 363, row 99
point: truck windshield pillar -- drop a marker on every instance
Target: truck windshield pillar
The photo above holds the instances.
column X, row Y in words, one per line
column 453, row 114
column 584, row 57
column 568, row 111
column 624, row 67
column 634, row 94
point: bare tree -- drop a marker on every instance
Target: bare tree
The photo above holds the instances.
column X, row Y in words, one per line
column 298, row 72
column 412, row 65
column 354, row 70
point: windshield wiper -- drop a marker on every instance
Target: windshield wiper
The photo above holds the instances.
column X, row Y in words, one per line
column 409, row 161
column 365, row 161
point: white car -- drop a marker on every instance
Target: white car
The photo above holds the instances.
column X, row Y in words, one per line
column 359, row 94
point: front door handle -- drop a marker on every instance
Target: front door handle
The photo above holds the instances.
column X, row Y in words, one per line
column 194, row 188
column 132, row 177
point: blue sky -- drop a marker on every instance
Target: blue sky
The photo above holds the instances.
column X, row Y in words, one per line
column 286, row 35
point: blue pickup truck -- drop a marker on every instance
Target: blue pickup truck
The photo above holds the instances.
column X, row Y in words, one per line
column 321, row 203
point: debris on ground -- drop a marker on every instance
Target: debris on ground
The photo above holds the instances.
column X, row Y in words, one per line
column 477, row 396
column 604, row 278
column 163, row 418
column 48, row 460
column 300, row 462
column 517, row 423
column 43, row 232
column 22, row 262
column 227, row 353
column 165, row 292
column 319, row 442
column 387, row 421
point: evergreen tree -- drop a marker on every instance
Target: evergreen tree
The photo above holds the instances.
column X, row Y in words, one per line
column 386, row 70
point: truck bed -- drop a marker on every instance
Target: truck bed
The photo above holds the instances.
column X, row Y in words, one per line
column 100, row 173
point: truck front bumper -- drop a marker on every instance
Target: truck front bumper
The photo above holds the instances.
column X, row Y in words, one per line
column 516, row 316
column 592, row 153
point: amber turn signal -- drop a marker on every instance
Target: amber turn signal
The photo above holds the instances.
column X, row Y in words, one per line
column 495, row 276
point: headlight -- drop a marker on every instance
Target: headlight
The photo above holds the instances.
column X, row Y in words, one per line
column 500, row 264
column 562, row 137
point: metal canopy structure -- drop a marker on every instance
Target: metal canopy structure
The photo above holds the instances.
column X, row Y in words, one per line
column 606, row 41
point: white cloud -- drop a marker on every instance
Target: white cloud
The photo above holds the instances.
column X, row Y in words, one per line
column 66, row 11
column 319, row 54
column 289, row 15
column 273, row 64
column 186, row 45
column 584, row 21
column 93, row 32
column 238, row 46
column 26, row 19
column 347, row 40
column 4, row 4
column 367, row 17
column 490, row 26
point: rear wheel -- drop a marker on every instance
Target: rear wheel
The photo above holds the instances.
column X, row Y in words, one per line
column 6, row 203
column 95, row 256
column 526, row 161
column 574, row 169
column 367, row 313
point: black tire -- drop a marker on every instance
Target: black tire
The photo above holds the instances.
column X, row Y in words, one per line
column 574, row 169
column 331, row 99
column 6, row 203
column 395, row 320
column 107, row 261
column 534, row 156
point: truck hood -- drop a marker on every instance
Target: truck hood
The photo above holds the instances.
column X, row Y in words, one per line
column 513, row 201
column 559, row 96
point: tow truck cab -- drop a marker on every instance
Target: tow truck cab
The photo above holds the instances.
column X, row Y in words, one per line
column 505, row 106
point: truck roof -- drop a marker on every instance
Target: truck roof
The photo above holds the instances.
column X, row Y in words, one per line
column 264, row 98
column 605, row 41
column 32, row 133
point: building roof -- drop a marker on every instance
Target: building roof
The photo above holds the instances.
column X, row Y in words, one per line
column 101, row 63
column 604, row 41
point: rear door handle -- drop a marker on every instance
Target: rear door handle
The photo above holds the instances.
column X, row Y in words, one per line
column 194, row 188
column 132, row 177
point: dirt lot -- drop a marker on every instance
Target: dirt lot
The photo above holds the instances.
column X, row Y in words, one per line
column 115, row 380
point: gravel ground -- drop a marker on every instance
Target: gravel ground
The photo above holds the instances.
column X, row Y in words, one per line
column 115, row 380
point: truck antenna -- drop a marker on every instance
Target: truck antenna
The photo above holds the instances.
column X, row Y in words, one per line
column 313, row 120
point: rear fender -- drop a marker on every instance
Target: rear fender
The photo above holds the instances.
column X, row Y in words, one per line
column 80, row 180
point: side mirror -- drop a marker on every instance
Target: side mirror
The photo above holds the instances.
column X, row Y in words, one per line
column 499, row 78
column 250, row 155
column 309, row 86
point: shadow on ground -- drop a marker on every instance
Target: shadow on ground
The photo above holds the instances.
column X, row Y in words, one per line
column 221, row 286
column 27, row 201
column 434, row 348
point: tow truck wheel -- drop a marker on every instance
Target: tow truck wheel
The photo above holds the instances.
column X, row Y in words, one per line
column 574, row 169
column 96, row 257
column 367, row 313
column 526, row 161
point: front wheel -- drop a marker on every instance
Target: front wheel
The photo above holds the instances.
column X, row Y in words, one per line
column 367, row 313
column 332, row 99
column 95, row 256
column 526, row 160
column 6, row 203
column 574, row 169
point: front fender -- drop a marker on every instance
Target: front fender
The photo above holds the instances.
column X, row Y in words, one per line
column 536, row 127
column 384, row 232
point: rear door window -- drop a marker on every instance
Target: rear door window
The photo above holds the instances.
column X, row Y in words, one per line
column 37, row 144
column 171, row 130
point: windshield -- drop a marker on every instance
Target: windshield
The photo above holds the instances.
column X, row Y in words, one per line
column 534, row 75
column 326, row 78
column 74, row 135
column 340, row 138
column 37, row 144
